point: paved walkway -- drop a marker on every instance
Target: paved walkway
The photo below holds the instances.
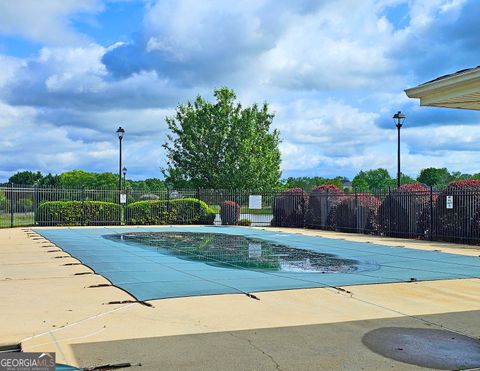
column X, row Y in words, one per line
column 50, row 305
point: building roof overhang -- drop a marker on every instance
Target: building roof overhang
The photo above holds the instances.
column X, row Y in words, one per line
column 457, row 90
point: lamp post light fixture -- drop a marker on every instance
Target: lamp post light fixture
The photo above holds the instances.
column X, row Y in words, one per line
column 124, row 171
column 399, row 119
column 120, row 133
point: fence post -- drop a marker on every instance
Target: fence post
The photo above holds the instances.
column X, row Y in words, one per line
column 167, row 198
column 302, row 200
column 431, row 214
column 197, row 196
column 389, row 211
column 324, row 217
column 35, row 203
column 12, row 206
column 82, row 221
column 126, row 206
column 356, row 210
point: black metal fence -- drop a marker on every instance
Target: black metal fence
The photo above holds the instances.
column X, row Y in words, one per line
column 441, row 215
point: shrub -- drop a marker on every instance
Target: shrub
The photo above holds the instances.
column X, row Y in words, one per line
column 74, row 212
column 357, row 213
column 462, row 222
column 177, row 211
column 400, row 213
column 230, row 213
column 289, row 207
column 423, row 223
column 245, row 222
column 322, row 202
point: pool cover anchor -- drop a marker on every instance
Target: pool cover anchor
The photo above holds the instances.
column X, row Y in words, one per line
column 112, row 366
column 131, row 302
column 99, row 285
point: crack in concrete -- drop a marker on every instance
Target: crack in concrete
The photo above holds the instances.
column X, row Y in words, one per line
column 250, row 342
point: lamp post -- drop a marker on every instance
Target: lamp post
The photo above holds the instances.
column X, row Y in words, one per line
column 124, row 171
column 399, row 119
column 120, row 133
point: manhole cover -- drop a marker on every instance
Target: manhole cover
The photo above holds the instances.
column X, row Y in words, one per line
column 440, row 349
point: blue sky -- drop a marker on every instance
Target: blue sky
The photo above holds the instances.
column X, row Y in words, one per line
column 72, row 71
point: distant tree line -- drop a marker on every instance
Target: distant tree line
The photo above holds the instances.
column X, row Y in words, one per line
column 380, row 179
column 364, row 181
column 82, row 179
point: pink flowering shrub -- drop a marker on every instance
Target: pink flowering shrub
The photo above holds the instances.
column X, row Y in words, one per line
column 462, row 222
column 322, row 204
column 357, row 213
column 400, row 213
column 289, row 207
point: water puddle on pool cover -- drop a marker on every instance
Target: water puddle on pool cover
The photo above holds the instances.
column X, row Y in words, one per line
column 230, row 251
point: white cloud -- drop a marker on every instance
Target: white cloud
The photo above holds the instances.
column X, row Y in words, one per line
column 45, row 21
column 334, row 73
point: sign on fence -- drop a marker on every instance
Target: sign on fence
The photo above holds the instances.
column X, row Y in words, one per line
column 255, row 202
column 449, row 202
column 123, row 198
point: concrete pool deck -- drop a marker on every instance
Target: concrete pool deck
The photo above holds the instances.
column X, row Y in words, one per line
column 48, row 305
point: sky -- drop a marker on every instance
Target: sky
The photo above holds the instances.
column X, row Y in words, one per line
column 333, row 72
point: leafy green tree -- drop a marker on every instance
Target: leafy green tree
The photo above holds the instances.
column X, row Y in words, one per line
column 378, row 179
column 150, row 184
column 106, row 180
column 457, row 175
column 222, row 145
column 77, row 179
column 154, row 184
column 85, row 179
column 28, row 178
column 371, row 180
column 49, row 181
column 404, row 179
column 434, row 177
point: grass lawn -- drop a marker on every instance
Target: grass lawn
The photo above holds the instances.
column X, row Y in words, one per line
column 19, row 219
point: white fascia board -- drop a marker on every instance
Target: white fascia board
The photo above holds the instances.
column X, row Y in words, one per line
column 446, row 85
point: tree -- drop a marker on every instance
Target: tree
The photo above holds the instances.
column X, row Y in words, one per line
column 222, row 145
column 371, row 180
column 154, row 184
column 85, row 179
column 434, row 177
column 150, row 184
column 28, row 178
column 49, row 181
column 378, row 179
column 404, row 179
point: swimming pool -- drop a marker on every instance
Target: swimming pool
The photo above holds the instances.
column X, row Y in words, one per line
column 154, row 263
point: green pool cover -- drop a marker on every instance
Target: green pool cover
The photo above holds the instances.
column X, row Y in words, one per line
column 149, row 270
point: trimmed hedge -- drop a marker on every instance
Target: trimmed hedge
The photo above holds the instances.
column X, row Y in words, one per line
column 464, row 219
column 76, row 212
column 322, row 203
column 230, row 213
column 357, row 214
column 402, row 211
column 288, row 208
column 177, row 211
